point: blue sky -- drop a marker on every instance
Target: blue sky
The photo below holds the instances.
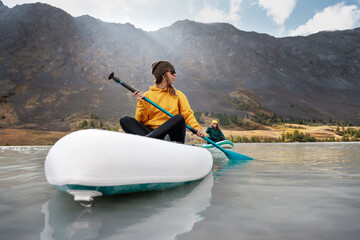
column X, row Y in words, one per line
column 278, row 18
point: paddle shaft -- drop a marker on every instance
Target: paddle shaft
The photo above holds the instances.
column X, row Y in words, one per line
column 193, row 130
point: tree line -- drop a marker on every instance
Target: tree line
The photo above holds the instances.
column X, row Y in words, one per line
column 265, row 119
column 297, row 136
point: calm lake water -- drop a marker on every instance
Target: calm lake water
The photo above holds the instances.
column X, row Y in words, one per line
column 290, row 191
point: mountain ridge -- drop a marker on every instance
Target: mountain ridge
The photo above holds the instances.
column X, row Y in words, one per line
column 54, row 67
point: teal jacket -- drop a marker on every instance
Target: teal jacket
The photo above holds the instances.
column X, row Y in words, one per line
column 215, row 135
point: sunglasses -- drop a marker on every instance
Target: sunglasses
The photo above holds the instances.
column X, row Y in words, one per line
column 172, row 72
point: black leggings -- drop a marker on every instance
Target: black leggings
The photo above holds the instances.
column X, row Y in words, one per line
column 175, row 127
column 216, row 140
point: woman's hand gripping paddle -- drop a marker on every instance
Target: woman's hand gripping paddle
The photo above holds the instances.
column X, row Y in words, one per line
column 231, row 155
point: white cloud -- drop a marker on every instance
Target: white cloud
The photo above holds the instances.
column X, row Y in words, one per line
column 337, row 17
column 211, row 14
column 278, row 10
column 234, row 15
column 190, row 7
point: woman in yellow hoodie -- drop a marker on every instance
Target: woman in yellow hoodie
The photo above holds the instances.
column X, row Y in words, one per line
column 150, row 121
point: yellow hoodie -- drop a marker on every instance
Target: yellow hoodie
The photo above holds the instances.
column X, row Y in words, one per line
column 150, row 116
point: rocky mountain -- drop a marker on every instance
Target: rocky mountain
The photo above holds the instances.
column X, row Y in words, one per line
column 312, row 77
column 54, row 68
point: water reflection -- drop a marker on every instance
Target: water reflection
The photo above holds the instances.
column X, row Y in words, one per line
column 290, row 191
column 222, row 163
column 150, row 215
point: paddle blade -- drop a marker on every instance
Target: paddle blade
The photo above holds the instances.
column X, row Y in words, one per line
column 234, row 156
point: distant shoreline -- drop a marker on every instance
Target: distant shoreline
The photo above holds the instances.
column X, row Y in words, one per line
column 277, row 133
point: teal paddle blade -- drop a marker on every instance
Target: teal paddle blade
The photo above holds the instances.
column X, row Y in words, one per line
column 234, row 156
